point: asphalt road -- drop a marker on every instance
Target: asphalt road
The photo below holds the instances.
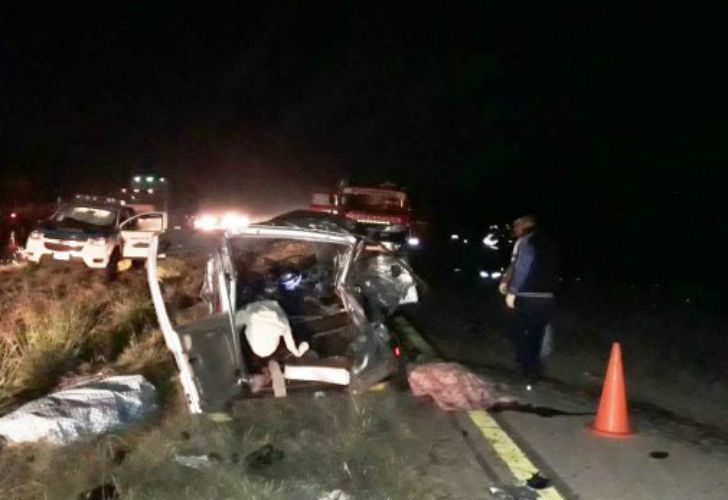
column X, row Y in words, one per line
column 667, row 457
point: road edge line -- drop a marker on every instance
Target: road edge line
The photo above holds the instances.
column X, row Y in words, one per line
column 500, row 441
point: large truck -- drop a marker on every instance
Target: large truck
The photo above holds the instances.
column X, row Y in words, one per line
column 382, row 212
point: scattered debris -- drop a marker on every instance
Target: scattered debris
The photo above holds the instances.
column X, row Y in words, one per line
column 513, row 493
column 220, row 417
column 336, row 495
column 198, row 462
column 263, row 457
column 279, row 383
column 454, row 387
column 538, row 482
column 102, row 492
column 541, row 411
column 82, row 410
column 659, row 455
column 320, row 372
column 115, row 452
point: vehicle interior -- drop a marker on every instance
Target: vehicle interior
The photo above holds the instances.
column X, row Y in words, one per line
column 301, row 277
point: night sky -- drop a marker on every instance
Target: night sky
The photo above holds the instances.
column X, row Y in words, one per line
column 609, row 122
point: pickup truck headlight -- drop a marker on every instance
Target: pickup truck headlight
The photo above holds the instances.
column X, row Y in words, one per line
column 97, row 242
column 35, row 235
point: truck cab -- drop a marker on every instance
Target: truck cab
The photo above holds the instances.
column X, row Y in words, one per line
column 381, row 212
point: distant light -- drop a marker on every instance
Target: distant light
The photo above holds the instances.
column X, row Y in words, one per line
column 413, row 241
column 137, row 178
column 229, row 221
column 495, row 275
column 232, row 220
column 205, row 222
column 491, row 241
column 149, row 179
column 484, row 274
column 454, row 236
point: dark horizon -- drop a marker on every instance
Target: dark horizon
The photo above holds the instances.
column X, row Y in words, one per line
column 604, row 120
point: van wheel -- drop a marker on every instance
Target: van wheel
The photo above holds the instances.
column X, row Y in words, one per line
column 124, row 265
column 112, row 268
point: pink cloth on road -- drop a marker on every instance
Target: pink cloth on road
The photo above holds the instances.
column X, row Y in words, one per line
column 453, row 387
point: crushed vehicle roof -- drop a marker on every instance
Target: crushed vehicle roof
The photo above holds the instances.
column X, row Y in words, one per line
column 317, row 221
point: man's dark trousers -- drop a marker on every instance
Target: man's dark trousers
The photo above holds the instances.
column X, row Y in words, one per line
column 532, row 316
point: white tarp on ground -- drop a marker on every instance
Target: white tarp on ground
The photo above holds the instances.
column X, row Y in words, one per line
column 82, row 410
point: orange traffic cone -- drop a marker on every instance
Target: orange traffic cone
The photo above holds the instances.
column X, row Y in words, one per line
column 612, row 418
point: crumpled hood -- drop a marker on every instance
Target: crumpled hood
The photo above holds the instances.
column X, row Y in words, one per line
column 52, row 230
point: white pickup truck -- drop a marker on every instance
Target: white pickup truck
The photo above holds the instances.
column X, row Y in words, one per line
column 99, row 233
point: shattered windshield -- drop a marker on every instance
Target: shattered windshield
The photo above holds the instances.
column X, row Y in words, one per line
column 79, row 217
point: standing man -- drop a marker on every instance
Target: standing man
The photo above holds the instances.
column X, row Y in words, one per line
column 529, row 285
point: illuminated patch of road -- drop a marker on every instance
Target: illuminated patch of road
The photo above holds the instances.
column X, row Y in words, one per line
column 504, row 447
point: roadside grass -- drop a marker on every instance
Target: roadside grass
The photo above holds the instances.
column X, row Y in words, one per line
column 59, row 322
column 64, row 324
column 140, row 463
column 327, row 443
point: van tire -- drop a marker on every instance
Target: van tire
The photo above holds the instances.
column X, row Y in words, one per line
column 112, row 268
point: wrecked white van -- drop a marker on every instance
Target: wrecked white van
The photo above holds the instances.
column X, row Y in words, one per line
column 296, row 304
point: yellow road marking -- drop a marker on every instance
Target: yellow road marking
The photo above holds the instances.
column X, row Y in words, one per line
column 379, row 387
column 508, row 451
column 505, row 448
